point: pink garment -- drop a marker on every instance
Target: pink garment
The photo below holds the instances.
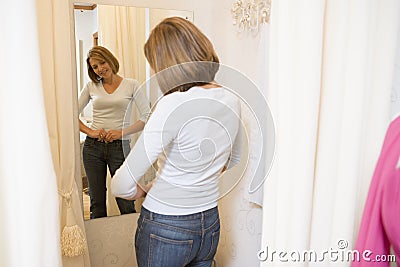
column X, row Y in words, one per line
column 380, row 225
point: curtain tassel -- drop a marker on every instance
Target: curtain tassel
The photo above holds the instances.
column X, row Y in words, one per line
column 73, row 241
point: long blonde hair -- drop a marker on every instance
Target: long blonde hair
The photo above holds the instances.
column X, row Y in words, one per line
column 175, row 41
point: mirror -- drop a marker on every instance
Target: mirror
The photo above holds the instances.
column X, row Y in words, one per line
column 123, row 30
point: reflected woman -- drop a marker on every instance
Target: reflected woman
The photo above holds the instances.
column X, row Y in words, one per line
column 194, row 132
column 104, row 146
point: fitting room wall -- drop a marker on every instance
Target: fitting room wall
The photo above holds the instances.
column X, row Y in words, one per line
column 395, row 98
column 87, row 21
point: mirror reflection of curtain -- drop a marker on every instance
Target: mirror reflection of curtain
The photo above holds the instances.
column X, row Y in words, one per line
column 122, row 30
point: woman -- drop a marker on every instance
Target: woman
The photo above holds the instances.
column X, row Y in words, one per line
column 111, row 95
column 194, row 133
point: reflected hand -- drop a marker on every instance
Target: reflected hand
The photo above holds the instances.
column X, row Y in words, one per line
column 113, row 135
column 99, row 134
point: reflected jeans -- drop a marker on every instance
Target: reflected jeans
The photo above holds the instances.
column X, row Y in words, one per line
column 177, row 240
column 97, row 156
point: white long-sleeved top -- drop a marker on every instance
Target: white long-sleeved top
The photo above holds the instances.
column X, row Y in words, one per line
column 109, row 109
column 193, row 134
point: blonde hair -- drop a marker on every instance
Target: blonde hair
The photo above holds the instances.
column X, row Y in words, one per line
column 101, row 53
column 175, row 41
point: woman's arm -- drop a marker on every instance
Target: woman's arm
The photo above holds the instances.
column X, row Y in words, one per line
column 99, row 134
column 142, row 104
column 236, row 151
column 83, row 100
column 134, row 128
column 118, row 134
column 141, row 191
column 157, row 134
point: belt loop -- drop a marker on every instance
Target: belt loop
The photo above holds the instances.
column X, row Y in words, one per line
column 151, row 215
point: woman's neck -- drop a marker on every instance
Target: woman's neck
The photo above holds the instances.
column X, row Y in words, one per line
column 209, row 85
column 114, row 79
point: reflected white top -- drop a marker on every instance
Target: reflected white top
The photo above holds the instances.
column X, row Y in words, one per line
column 109, row 109
column 193, row 134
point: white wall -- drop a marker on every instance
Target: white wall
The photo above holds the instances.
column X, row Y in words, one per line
column 85, row 26
column 239, row 51
column 395, row 99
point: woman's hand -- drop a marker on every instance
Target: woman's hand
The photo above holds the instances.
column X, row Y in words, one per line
column 99, row 134
column 140, row 192
column 223, row 170
column 113, row 135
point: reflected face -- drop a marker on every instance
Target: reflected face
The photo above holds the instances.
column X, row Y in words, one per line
column 101, row 68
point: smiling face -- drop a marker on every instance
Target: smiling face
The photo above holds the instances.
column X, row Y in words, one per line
column 101, row 68
column 101, row 64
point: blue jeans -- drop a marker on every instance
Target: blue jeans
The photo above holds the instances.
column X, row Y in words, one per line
column 177, row 241
column 96, row 157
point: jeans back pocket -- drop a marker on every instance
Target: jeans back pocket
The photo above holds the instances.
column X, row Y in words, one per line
column 169, row 252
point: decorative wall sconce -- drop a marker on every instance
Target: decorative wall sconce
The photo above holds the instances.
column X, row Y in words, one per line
column 250, row 14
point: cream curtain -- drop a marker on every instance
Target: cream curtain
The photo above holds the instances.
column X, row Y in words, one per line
column 60, row 106
column 331, row 64
column 29, row 225
column 122, row 29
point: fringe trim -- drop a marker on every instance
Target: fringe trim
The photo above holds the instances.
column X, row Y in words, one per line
column 73, row 242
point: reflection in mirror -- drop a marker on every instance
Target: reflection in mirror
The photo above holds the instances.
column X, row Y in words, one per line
column 123, row 31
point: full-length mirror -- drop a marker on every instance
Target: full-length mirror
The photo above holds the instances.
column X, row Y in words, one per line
column 123, row 31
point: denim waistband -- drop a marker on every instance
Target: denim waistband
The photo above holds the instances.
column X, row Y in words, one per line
column 203, row 214
column 93, row 140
